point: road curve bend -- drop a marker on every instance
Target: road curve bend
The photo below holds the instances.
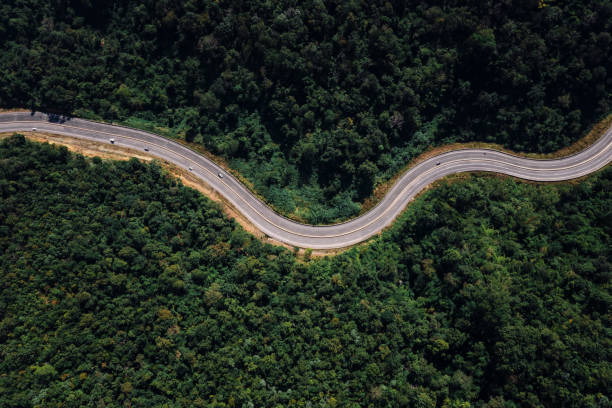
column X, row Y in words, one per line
column 280, row 228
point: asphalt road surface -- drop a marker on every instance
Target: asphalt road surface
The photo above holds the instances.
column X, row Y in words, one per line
column 341, row 235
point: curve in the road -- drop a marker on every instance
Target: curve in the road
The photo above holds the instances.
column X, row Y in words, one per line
column 280, row 228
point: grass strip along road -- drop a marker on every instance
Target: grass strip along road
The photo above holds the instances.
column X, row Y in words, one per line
column 290, row 232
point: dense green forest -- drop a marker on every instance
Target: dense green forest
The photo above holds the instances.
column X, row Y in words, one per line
column 121, row 287
column 316, row 101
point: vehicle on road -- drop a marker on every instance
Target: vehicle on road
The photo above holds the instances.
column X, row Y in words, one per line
column 33, row 129
column 594, row 157
column 146, row 149
column 112, row 141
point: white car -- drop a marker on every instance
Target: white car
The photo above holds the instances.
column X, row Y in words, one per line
column 112, row 141
column 190, row 168
column 220, row 175
column 33, row 129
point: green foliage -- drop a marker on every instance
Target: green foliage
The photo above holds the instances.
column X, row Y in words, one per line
column 120, row 287
column 45, row 371
column 299, row 95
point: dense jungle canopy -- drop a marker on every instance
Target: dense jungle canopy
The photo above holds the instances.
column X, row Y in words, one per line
column 315, row 102
column 121, row 287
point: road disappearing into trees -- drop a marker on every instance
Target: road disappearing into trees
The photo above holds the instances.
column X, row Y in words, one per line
column 280, row 228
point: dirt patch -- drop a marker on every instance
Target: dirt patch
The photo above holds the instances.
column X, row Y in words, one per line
column 84, row 147
column 14, row 110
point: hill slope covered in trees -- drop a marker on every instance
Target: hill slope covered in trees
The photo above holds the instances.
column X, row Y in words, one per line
column 316, row 101
column 120, row 287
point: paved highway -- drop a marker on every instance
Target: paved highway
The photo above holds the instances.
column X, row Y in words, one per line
column 341, row 235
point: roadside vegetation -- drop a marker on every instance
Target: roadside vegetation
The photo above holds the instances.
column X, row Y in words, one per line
column 121, row 287
column 317, row 102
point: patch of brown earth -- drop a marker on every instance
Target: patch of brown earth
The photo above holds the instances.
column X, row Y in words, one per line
column 14, row 110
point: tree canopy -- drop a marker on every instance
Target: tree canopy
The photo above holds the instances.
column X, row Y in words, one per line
column 317, row 101
column 121, row 287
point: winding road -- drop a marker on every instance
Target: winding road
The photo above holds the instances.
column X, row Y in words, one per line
column 277, row 227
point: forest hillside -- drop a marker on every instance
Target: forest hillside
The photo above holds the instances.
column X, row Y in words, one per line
column 121, row 287
column 315, row 102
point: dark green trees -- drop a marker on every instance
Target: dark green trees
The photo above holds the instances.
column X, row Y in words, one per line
column 121, row 287
column 269, row 85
